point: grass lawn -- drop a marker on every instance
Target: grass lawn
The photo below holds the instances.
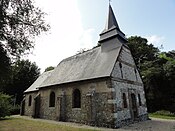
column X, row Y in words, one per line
column 161, row 116
column 19, row 124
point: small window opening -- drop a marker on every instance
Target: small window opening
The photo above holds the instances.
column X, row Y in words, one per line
column 76, row 99
column 120, row 65
column 140, row 102
column 30, row 100
column 124, row 101
column 52, row 100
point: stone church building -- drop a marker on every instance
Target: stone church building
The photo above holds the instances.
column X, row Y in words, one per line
column 100, row 87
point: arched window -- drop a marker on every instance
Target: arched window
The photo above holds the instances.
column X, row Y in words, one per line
column 30, row 100
column 76, row 99
column 124, row 101
column 140, row 102
column 52, row 100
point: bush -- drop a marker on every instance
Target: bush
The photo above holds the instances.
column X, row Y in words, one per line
column 5, row 106
column 164, row 113
column 15, row 110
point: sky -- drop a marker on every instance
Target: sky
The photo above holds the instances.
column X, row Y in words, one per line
column 76, row 25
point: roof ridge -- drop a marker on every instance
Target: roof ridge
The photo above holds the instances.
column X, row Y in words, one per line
column 78, row 54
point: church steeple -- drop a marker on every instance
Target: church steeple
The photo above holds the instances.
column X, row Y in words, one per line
column 111, row 20
column 112, row 28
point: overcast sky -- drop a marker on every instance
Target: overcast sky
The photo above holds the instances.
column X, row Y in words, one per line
column 76, row 24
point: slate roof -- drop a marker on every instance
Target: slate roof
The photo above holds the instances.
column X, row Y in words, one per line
column 88, row 65
column 38, row 82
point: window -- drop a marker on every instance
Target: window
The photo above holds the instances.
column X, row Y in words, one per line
column 52, row 100
column 120, row 65
column 76, row 99
column 140, row 103
column 30, row 100
column 135, row 70
column 124, row 101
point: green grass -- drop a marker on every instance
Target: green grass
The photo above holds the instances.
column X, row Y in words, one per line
column 19, row 124
column 163, row 115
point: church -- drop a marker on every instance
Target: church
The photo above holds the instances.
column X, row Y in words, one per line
column 99, row 87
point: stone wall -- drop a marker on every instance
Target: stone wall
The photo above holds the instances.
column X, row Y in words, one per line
column 126, row 79
column 127, row 70
column 95, row 106
column 29, row 109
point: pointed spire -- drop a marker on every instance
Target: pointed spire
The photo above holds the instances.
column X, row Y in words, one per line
column 111, row 20
column 111, row 29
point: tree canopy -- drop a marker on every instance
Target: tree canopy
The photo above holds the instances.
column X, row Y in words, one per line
column 158, row 73
column 20, row 22
column 49, row 68
column 23, row 74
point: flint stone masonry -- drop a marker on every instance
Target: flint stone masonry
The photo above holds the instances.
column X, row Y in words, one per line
column 29, row 110
column 94, row 103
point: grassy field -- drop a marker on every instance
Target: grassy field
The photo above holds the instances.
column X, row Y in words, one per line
column 163, row 114
column 18, row 124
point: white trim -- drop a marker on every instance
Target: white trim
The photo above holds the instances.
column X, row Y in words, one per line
column 112, row 101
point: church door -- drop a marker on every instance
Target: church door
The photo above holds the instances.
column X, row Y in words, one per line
column 22, row 107
column 58, row 107
column 36, row 113
column 61, row 108
column 134, row 111
column 91, row 110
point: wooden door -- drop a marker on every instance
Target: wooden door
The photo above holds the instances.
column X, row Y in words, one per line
column 134, row 106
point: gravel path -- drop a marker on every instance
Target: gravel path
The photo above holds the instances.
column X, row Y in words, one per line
column 154, row 124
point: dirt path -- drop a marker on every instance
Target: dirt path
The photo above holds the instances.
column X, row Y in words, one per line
column 151, row 125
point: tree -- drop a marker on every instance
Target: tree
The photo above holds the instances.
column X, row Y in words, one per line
column 158, row 74
column 141, row 50
column 4, row 67
column 171, row 57
column 5, row 106
column 49, row 68
column 20, row 22
column 24, row 73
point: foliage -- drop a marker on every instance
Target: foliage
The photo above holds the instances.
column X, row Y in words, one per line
column 163, row 114
column 20, row 22
column 5, row 106
column 158, row 74
column 141, row 50
column 15, row 110
column 164, row 56
column 49, row 68
column 24, row 73
column 4, row 66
